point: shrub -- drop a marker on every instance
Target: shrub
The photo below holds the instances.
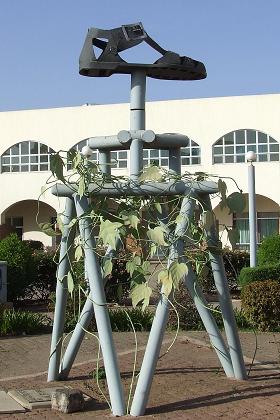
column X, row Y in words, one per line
column 119, row 317
column 234, row 262
column 269, row 250
column 44, row 279
column 20, row 267
column 18, row 322
column 118, row 283
column 252, row 274
column 261, row 304
column 34, row 245
column 142, row 320
column 189, row 318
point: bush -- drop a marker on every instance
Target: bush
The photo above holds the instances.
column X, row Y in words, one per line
column 234, row 262
column 20, row 266
column 35, row 245
column 261, row 304
column 189, row 318
column 142, row 320
column 18, row 322
column 44, row 280
column 269, row 250
column 119, row 318
column 252, row 274
column 118, row 283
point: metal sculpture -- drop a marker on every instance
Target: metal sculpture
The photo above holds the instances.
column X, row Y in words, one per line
column 172, row 67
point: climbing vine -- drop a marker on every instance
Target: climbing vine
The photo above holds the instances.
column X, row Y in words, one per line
column 137, row 229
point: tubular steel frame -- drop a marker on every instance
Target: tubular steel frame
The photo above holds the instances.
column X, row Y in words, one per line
column 135, row 140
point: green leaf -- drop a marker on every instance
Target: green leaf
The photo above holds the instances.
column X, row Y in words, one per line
column 158, row 208
column 81, row 186
column 60, row 223
column 177, row 271
column 146, row 267
column 151, row 173
column 109, row 232
column 141, row 292
column 107, row 267
column 208, row 219
column 157, row 235
column 166, row 280
column 130, row 219
column 76, row 159
column 70, row 283
column 133, row 264
column 233, row 236
column 78, row 252
column 236, row 202
column 47, row 228
column 56, row 166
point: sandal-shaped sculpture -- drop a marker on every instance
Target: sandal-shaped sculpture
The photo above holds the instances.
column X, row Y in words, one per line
column 170, row 66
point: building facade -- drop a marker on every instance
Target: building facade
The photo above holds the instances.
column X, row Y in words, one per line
column 220, row 132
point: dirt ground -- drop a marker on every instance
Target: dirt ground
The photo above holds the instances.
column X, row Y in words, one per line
column 188, row 384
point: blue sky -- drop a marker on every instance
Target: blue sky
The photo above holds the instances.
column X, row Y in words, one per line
column 238, row 40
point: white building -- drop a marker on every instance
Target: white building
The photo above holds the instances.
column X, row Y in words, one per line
column 221, row 131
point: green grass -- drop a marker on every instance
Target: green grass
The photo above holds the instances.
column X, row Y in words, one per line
column 18, row 322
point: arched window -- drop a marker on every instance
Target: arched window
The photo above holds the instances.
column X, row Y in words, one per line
column 27, row 156
column 232, row 147
column 190, row 155
column 118, row 157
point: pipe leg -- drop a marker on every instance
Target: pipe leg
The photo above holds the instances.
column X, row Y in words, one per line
column 76, row 339
column 78, row 333
column 221, row 283
column 209, row 322
column 151, row 355
column 61, row 293
column 101, row 311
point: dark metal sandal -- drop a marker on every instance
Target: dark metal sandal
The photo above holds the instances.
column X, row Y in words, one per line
column 170, row 66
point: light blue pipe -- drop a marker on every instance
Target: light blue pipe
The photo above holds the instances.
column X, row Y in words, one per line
column 61, row 291
column 79, row 331
column 100, row 310
column 151, row 355
column 221, row 283
column 137, row 122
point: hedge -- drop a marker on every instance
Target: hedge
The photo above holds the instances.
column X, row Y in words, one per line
column 262, row 273
column 261, row 304
column 269, row 250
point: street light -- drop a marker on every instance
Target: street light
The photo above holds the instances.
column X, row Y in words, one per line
column 251, row 157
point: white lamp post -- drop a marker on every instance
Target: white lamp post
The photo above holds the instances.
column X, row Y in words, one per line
column 251, row 157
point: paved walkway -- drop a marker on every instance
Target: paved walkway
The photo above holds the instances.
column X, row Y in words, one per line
column 188, row 384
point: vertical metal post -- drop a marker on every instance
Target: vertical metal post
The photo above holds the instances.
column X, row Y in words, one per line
column 151, row 355
column 101, row 311
column 61, row 291
column 105, row 161
column 252, row 215
column 221, row 283
column 137, row 121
